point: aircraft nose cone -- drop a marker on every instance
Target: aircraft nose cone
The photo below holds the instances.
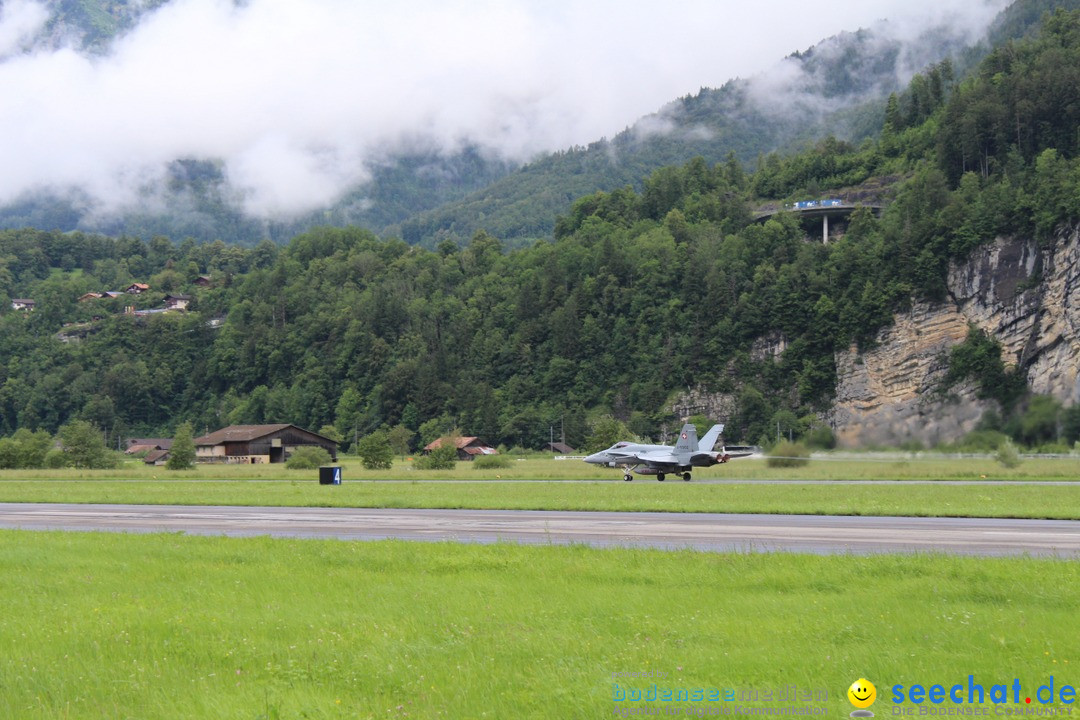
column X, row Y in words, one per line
column 595, row 459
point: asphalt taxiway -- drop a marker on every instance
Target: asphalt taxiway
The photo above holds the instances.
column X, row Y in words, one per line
column 700, row 531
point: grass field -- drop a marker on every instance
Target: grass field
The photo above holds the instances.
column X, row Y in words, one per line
column 575, row 486
column 839, row 467
column 165, row 626
column 1022, row 501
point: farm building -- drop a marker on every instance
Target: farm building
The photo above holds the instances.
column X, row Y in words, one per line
column 22, row 304
column 258, row 444
column 467, row 448
column 177, row 302
column 156, row 457
column 154, row 451
column 145, row 445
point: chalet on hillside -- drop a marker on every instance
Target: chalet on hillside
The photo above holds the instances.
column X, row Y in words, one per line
column 177, row 302
column 136, row 288
column 22, row 304
column 467, row 448
column 258, row 444
column 92, row 295
column 202, row 281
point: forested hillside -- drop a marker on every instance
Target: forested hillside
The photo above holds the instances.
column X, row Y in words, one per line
column 637, row 295
column 91, row 24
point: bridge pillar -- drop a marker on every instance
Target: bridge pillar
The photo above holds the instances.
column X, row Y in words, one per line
column 825, row 229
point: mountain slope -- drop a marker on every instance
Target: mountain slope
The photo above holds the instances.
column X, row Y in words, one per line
column 639, row 296
column 837, row 87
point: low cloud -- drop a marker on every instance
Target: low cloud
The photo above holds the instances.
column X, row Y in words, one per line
column 296, row 99
column 799, row 83
column 20, row 21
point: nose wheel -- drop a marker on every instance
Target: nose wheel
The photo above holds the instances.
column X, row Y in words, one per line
column 686, row 477
column 627, row 477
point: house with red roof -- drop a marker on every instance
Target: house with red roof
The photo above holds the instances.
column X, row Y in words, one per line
column 467, row 447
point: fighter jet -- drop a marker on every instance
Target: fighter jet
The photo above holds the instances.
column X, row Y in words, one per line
column 659, row 460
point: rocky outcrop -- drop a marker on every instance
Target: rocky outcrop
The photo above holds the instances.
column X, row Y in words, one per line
column 997, row 290
column 768, row 347
column 888, row 396
column 1029, row 299
column 715, row 406
column 1026, row 297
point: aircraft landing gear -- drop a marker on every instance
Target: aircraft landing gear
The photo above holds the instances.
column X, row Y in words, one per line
column 627, row 477
column 686, row 477
column 660, row 476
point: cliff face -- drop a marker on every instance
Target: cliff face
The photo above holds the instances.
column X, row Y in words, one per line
column 887, row 396
column 1026, row 297
column 715, row 406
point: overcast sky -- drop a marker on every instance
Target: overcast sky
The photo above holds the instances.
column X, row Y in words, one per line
column 295, row 96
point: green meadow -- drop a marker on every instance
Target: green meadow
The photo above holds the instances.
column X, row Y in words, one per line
column 869, row 466
column 545, row 484
column 1017, row 501
column 98, row 625
column 168, row 626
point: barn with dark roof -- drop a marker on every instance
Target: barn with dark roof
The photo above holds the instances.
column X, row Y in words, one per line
column 258, row 444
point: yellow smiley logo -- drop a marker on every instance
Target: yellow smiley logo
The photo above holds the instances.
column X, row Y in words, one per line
column 862, row 693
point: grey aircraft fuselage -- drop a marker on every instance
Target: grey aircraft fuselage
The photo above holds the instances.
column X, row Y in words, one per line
column 659, row 460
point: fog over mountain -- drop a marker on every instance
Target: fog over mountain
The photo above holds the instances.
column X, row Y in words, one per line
column 295, row 102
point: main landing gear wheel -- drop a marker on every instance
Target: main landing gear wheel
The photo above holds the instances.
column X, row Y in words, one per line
column 686, row 477
column 660, row 476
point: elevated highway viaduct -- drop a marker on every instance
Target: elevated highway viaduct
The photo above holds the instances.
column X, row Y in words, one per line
column 834, row 212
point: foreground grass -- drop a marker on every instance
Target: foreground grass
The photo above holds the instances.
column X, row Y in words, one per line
column 1021, row 501
column 166, row 626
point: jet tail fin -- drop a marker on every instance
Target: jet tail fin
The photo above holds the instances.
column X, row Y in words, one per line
column 708, row 441
column 688, row 441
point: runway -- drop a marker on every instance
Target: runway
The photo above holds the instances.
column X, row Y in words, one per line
column 700, row 531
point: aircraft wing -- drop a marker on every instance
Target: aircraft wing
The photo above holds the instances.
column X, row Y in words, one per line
column 626, row 457
column 660, row 459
